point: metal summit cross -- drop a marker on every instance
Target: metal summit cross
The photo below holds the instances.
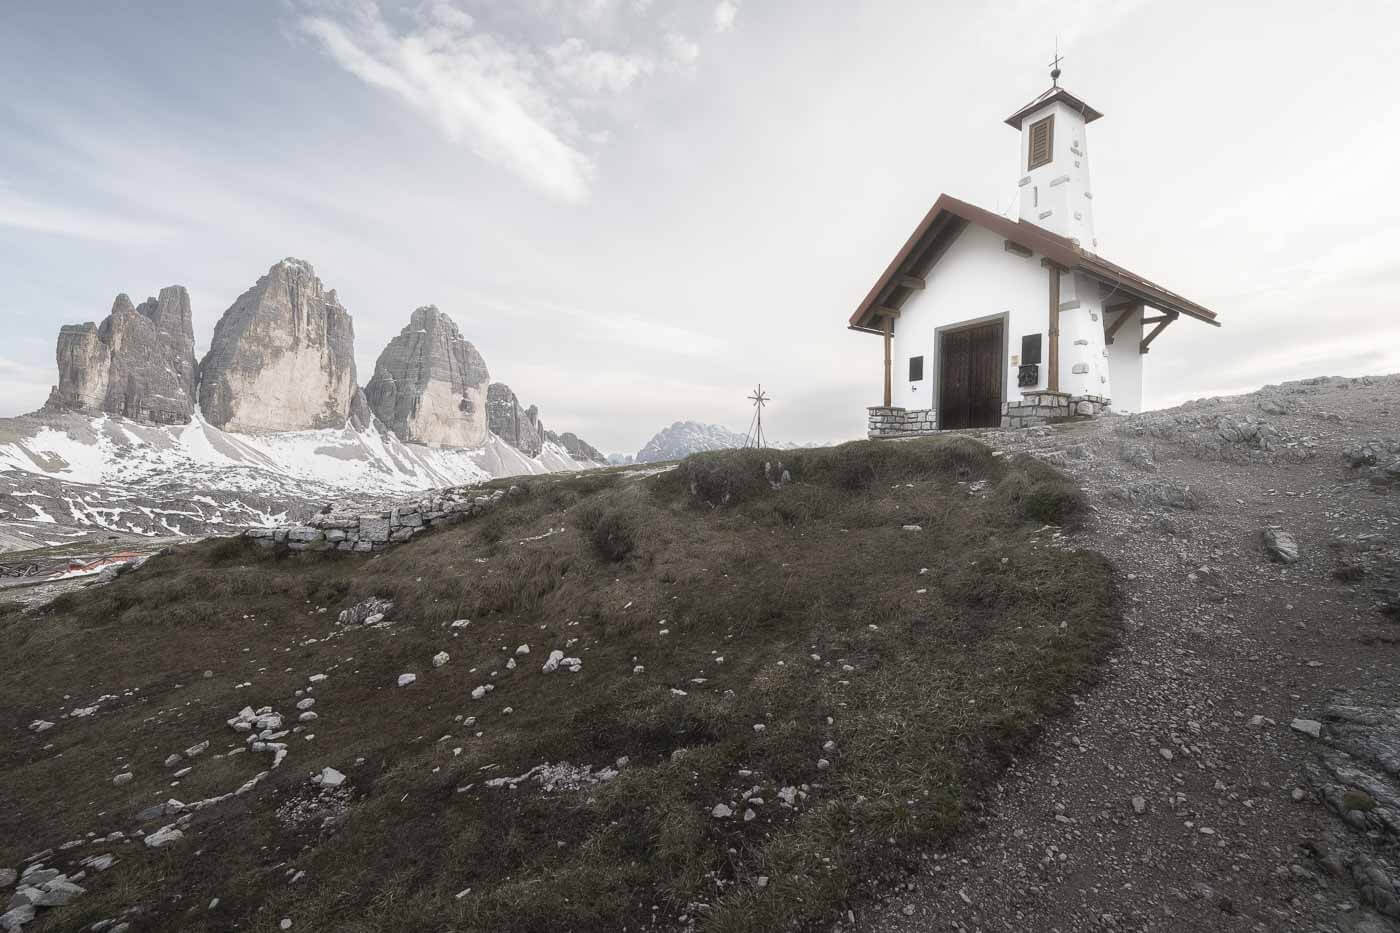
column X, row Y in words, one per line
column 755, row 438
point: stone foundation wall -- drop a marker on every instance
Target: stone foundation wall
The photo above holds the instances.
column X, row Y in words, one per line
column 898, row 422
column 1037, row 408
column 349, row 530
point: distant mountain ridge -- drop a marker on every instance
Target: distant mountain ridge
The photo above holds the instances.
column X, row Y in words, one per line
column 684, row 438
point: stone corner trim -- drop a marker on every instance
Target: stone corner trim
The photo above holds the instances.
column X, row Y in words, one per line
column 1038, row 408
column 348, row 530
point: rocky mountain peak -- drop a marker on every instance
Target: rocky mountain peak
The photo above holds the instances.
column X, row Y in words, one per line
column 518, row 427
column 138, row 363
column 282, row 357
column 430, row 384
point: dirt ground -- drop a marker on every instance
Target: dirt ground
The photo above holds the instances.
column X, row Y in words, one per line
column 1176, row 795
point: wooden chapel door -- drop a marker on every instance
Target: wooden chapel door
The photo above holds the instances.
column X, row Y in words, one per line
column 970, row 377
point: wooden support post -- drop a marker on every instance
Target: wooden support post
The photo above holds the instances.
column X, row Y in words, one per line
column 889, row 333
column 1125, row 315
column 1052, row 381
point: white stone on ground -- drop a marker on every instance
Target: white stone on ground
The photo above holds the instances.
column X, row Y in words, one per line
column 440, row 659
column 17, row 917
column 196, row 750
column 523, row 649
column 721, row 812
column 306, row 703
column 406, row 679
column 123, row 778
column 331, row 777
column 164, row 836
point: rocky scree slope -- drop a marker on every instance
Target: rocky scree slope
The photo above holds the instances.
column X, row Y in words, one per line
column 1238, row 766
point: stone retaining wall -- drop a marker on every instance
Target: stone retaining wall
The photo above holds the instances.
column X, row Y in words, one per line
column 1031, row 410
column 351, row 530
column 899, row 422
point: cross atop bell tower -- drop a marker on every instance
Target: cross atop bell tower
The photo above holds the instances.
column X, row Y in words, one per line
column 1054, row 161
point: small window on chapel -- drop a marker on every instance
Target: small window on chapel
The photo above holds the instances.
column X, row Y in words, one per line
column 1041, row 143
column 916, row 368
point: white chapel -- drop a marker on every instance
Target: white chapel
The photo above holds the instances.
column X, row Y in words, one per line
column 989, row 321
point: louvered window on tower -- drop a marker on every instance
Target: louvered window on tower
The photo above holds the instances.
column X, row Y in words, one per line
column 1042, row 142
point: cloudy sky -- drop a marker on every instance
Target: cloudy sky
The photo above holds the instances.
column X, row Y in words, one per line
column 637, row 209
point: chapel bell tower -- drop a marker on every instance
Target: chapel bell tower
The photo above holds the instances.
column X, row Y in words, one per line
column 1054, row 167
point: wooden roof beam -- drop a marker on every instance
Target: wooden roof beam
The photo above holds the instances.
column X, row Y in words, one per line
column 883, row 311
column 1162, row 323
column 911, row 281
column 1127, row 312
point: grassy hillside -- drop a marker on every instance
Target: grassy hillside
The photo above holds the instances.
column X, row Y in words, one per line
column 738, row 643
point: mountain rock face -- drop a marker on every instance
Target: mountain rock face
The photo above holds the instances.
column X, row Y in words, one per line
column 577, row 447
column 430, row 384
column 139, row 363
column 282, row 357
column 685, row 438
column 519, row 427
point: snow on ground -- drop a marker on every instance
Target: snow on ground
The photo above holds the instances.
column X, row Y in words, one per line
column 73, row 474
column 103, row 450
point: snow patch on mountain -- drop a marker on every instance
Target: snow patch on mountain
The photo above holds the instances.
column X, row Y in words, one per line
column 66, row 473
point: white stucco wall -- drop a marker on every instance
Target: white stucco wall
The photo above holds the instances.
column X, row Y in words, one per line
column 1126, row 363
column 1057, row 195
column 1084, row 366
column 977, row 279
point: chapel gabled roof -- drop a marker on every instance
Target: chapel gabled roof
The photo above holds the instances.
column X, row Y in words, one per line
column 1055, row 93
column 949, row 217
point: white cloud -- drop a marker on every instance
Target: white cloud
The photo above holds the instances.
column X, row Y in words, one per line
column 682, row 51
column 478, row 90
column 616, row 329
column 725, row 13
column 56, row 219
column 595, row 70
column 528, row 96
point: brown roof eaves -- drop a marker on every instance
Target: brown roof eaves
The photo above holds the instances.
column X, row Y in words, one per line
column 1053, row 94
column 1057, row 249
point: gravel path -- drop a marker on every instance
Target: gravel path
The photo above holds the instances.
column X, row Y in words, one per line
column 1175, row 795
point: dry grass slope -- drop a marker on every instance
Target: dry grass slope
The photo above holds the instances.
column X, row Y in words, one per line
column 800, row 608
